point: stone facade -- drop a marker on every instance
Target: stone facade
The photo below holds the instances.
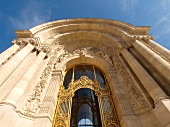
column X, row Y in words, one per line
column 137, row 70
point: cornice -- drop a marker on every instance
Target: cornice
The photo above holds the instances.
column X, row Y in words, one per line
column 118, row 24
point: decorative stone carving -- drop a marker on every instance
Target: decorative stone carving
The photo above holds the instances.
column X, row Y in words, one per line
column 138, row 102
column 87, row 50
column 23, row 41
column 33, row 104
column 83, row 51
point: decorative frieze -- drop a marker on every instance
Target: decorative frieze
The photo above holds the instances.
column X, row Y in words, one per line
column 84, row 51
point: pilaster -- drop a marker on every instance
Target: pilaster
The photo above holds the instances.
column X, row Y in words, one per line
column 48, row 106
column 150, row 85
column 23, row 83
column 7, row 54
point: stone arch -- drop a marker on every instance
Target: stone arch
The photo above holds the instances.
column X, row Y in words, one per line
column 92, row 60
column 43, row 52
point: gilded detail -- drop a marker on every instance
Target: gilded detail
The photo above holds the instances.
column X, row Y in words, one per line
column 63, row 109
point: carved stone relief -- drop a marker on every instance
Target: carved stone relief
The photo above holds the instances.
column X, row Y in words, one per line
column 33, row 104
column 138, row 101
column 87, row 50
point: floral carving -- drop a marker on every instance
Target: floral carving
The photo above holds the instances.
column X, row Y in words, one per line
column 33, row 104
column 138, row 101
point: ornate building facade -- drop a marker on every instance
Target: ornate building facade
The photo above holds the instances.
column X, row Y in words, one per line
column 85, row 72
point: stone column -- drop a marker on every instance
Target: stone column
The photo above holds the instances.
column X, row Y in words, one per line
column 15, row 76
column 7, row 69
column 32, row 85
column 50, row 100
column 158, row 47
column 164, row 84
column 160, row 64
column 7, row 53
column 24, row 81
column 150, row 85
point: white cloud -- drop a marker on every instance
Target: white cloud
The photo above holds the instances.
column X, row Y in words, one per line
column 162, row 20
column 165, row 4
column 128, row 5
column 30, row 15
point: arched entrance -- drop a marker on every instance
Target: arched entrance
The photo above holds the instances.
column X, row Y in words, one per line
column 85, row 109
column 84, row 100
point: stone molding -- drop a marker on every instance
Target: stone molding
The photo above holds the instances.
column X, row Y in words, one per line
column 113, row 23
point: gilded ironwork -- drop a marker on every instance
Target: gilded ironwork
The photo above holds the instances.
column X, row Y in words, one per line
column 63, row 109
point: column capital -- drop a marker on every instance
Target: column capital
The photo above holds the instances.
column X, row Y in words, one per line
column 121, row 46
column 23, row 41
column 45, row 48
column 133, row 38
column 147, row 38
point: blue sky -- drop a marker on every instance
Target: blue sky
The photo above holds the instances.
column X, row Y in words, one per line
column 25, row 14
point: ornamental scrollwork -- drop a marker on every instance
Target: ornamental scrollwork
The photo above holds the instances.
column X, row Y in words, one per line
column 63, row 109
column 24, row 41
column 87, row 50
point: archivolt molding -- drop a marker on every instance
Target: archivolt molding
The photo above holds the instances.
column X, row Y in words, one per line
column 112, row 23
column 86, row 37
column 111, row 31
column 33, row 103
column 32, row 106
